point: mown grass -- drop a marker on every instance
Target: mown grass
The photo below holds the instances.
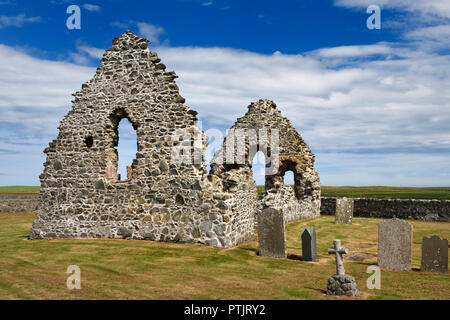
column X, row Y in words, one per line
column 124, row 269
column 438, row 193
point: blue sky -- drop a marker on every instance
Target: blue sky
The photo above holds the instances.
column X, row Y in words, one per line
column 374, row 105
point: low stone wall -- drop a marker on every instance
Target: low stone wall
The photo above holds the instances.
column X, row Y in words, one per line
column 11, row 203
column 427, row 210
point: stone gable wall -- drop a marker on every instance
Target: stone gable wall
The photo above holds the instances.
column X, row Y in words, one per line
column 82, row 195
column 293, row 154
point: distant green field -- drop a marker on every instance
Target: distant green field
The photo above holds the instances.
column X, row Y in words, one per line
column 19, row 189
column 439, row 193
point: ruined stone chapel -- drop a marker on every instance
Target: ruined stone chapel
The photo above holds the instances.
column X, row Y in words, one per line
column 162, row 199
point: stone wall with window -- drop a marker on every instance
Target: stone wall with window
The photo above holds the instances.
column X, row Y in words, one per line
column 162, row 198
column 259, row 128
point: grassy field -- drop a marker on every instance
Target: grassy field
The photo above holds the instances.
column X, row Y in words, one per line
column 123, row 269
column 438, row 193
column 19, row 189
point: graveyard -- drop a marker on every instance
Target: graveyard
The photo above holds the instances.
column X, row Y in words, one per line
column 249, row 178
column 132, row 269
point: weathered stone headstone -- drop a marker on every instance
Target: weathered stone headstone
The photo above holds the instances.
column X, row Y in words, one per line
column 395, row 245
column 271, row 233
column 434, row 254
column 341, row 283
column 344, row 211
column 309, row 247
column 338, row 251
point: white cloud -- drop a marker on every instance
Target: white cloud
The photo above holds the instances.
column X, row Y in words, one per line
column 121, row 25
column 86, row 55
column 207, row 4
column 92, row 52
column 145, row 29
column 91, row 7
column 17, row 21
column 425, row 22
column 150, row 31
column 439, row 33
column 389, row 113
column 354, row 51
column 439, row 8
column 33, row 100
column 388, row 104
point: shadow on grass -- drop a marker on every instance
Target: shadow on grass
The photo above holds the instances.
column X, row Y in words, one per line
column 295, row 257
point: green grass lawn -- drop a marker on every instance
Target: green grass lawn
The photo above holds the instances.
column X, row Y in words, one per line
column 127, row 269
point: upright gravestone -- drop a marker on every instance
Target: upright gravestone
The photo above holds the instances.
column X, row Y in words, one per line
column 271, row 235
column 395, row 245
column 344, row 211
column 309, row 248
column 434, row 254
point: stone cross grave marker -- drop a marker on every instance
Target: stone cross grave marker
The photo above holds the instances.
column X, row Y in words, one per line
column 341, row 283
column 344, row 211
column 395, row 245
column 338, row 251
column 271, row 233
column 309, row 247
column 434, row 254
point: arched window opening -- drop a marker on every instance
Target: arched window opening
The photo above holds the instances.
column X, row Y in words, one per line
column 288, row 178
column 259, row 170
column 126, row 149
column 121, row 146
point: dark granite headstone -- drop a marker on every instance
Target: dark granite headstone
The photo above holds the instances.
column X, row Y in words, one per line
column 271, row 234
column 434, row 254
column 309, row 247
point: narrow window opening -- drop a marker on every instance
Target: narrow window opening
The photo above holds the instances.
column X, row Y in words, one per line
column 121, row 146
column 288, row 178
column 259, row 171
column 89, row 141
column 126, row 149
